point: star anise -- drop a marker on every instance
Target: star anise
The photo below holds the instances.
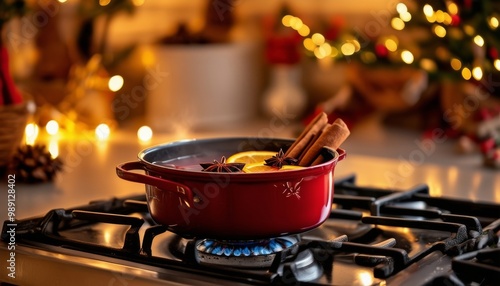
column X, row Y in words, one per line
column 222, row 166
column 280, row 159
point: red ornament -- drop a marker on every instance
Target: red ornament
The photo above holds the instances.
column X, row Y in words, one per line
column 485, row 114
column 283, row 49
column 493, row 53
column 333, row 31
column 381, row 51
column 9, row 94
column 455, row 20
column 487, row 145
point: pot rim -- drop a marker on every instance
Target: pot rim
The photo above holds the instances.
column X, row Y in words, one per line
column 337, row 155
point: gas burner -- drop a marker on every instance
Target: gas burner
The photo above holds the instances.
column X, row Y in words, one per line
column 372, row 237
column 248, row 254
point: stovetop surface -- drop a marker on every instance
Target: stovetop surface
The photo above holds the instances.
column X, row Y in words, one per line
column 373, row 237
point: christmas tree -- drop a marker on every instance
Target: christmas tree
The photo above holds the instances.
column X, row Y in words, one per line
column 457, row 39
column 455, row 43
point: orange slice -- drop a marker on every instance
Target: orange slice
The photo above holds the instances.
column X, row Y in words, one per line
column 260, row 167
column 250, row 157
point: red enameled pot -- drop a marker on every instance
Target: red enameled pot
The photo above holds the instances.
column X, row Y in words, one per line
column 193, row 203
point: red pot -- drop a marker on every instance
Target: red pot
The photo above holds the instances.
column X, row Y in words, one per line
column 231, row 205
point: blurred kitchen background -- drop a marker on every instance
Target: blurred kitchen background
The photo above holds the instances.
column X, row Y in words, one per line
column 152, row 71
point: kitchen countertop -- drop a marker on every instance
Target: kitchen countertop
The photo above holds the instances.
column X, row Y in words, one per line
column 379, row 156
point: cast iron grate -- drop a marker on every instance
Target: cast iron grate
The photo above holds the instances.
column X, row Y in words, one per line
column 473, row 226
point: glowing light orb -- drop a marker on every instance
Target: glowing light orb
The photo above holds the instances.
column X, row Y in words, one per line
column 31, row 133
column 102, row 132
column 144, row 133
column 52, row 127
column 115, row 83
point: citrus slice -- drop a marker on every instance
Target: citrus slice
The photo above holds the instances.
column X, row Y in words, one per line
column 250, row 157
column 260, row 167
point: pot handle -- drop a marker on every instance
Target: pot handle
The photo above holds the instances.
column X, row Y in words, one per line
column 342, row 154
column 124, row 171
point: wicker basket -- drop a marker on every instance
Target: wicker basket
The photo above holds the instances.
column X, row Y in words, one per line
column 13, row 120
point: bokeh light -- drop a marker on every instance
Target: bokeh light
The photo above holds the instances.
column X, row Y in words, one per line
column 31, row 133
column 52, row 127
column 144, row 133
column 102, row 132
column 115, row 83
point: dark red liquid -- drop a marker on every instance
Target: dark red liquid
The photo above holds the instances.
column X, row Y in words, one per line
column 189, row 163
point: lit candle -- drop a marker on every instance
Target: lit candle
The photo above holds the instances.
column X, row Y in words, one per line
column 31, row 133
column 54, row 148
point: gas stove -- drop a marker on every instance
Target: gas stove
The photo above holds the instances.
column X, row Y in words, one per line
column 374, row 236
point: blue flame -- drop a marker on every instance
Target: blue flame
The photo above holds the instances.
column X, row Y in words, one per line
column 246, row 248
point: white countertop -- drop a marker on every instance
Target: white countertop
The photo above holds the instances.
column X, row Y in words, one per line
column 378, row 156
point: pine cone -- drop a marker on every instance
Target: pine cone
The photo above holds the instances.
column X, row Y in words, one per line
column 34, row 164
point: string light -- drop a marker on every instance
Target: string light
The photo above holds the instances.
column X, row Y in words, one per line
column 469, row 30
column 428, row 10
column 286, row 20
column 447, row 19
column 104, row 2
column 52, row 127
column 401, row 8
column 324, row 50
column 440, row 16
column 428, row 65
column 477, row 73
column 144, row 133
column 496, row 63
column 309, row 44
column 432, row 18
column 493, row 22
column 478, row 40
column 356, row 44
column 297, row 24
column 466, row 73
column 318, row 39
column 334, row 53
column 452, row 8
column 397, row 24
column 403, row 12
column 391, row 44
column 439, row 30
column 407, row 56
column 102, row 132
column 406, row 17
column 347, row 49
column 304, row 30
column 138, row 3
column 115, row 83
column 444, row 23
column 456, row 64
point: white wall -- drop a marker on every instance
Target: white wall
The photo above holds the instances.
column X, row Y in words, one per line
column 158, row 17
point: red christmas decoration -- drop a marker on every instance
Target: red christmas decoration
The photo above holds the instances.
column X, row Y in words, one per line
column 381, row 51
column 455, row 20
column 493, row 53
column 9, row 94
column 283, row 49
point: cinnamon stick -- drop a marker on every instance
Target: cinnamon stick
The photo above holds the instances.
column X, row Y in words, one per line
column 333, row 136
column 307, row 136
